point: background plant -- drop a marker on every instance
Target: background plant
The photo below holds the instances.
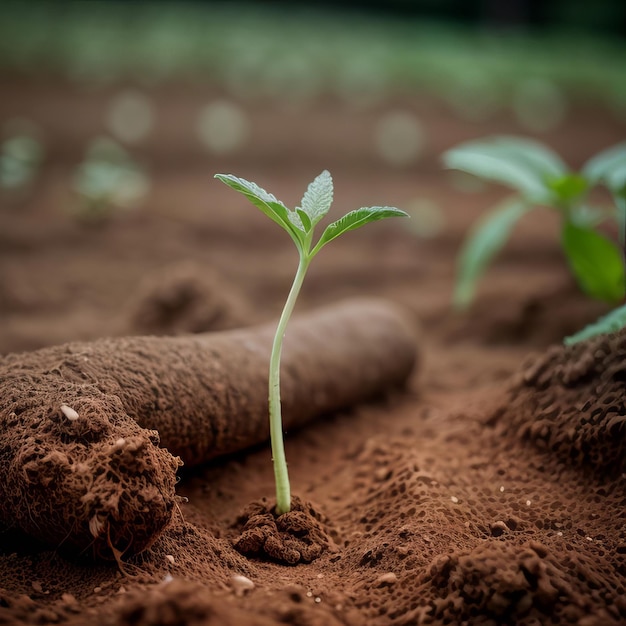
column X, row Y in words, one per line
column 300, row 225
column 260, row 50
column 20, row 159
column 541, row 178
column 108, row 180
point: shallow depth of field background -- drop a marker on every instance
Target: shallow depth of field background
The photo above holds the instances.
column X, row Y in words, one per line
column 175, row 82
column 114, row 115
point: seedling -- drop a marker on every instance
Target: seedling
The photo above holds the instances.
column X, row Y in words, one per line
column 108, row 180
column 541, row 178
column 300, row 225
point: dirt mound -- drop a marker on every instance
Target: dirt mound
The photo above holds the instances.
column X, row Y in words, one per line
column 185, row 298
column 571, row 403
column 78, row 473
column 298, row 536
column 499, row 583
column 183, row 603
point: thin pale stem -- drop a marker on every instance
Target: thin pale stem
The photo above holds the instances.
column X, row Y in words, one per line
column 283, row 491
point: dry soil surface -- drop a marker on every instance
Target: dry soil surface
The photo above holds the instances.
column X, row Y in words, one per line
column 491, row 490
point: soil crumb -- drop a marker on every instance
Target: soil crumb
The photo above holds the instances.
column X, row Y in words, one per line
column 299, row 536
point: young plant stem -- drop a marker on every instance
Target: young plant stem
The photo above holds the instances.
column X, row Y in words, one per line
column 283, row 491
column 299, row 224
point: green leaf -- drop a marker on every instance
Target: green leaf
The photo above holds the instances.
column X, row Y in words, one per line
column 356, row 219
column 610, row 323
column 616, row 179
column 590, row 217
column 522, row 164
column 492, row 167
column 273, row 208
column 318, row 197
column 305, row 222
column 485, row 240
column 536, row 155
column 609, row 167
column 569, row 188
column 596, row 262
column 603, row 167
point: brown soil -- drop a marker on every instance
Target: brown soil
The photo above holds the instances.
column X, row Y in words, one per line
column 489, row 491
column 202, row 396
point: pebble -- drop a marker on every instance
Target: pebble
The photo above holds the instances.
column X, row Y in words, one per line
column 241, row 584
column 69, row 413
column 498, row 528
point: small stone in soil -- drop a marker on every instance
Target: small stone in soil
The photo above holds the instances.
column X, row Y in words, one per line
column 498, row 528
column 241, row 584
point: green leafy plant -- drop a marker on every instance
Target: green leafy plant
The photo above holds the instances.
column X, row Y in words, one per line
column 20, row 158
column 300, row 225
column 609, row 323
column 541, row 178
column 107, row 181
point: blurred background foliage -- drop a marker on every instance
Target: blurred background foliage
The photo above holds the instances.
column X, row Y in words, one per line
column 523, row 65
column 477, row 52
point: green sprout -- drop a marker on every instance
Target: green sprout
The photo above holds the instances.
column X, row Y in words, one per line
column 299, row 224
column 541, row 178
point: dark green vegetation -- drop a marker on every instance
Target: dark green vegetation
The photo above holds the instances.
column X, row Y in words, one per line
column 254, row 51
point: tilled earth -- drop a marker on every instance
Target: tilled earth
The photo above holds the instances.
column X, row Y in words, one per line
column 489, row 491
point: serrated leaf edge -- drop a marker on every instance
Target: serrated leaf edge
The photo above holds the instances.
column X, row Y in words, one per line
column 318, row 197
column 374, row 213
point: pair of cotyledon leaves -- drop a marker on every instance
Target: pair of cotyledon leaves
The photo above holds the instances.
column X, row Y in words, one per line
column 541, row 178
column 300, row 223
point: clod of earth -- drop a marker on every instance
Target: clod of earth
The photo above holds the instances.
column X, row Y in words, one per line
column 297, row 536
column 80, row 423
column 588, row 380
